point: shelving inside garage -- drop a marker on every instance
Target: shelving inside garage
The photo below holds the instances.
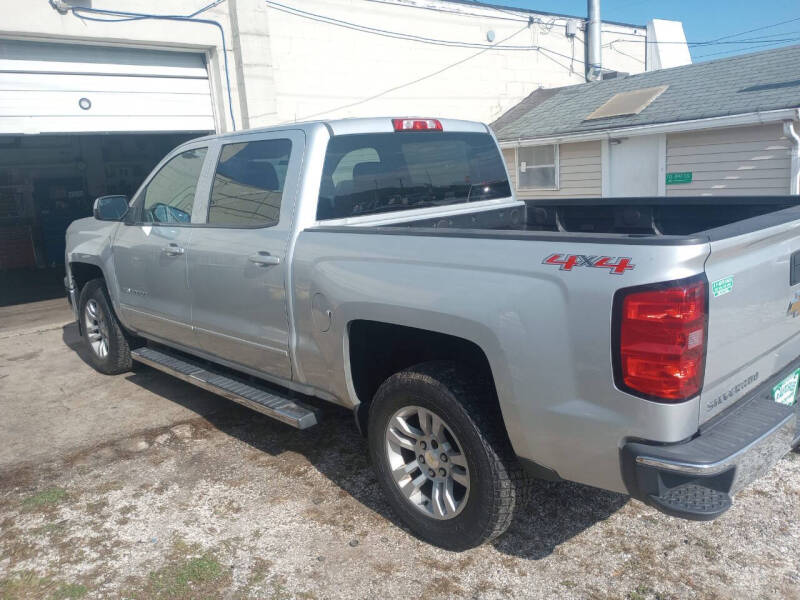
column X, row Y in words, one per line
column 47, row 181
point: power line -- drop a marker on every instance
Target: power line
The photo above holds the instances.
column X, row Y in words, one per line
column 758, row 29
column 704, row 44
column 456, row 13
column 392, row 34
column 518, row 13
column 385, row 32
column 724, row 40
column 544, row 51
column 497, row 8
column 410, row 83
column 410, row 37
column 618, row 51
column 734, row 51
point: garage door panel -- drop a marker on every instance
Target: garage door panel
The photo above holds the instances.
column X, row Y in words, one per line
column 33, row 125
column 41, row 85
column 34, row 82
column 102, row 104
column 77, row 59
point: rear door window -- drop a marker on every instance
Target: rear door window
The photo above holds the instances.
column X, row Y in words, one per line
column 382, row 172
column 248, row 184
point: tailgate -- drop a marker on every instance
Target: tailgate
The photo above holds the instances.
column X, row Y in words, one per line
column 754, row 283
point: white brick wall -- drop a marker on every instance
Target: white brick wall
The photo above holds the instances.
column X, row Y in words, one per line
column 321, row 67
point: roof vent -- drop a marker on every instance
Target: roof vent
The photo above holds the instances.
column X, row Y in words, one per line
column 628, row 103
column 614, row 75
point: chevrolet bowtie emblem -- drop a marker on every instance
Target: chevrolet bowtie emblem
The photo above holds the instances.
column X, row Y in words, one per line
column 794, row 307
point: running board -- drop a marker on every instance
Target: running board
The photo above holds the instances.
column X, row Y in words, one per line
column 252, row 396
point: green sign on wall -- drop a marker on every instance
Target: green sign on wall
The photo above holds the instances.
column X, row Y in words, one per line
column 684, row 177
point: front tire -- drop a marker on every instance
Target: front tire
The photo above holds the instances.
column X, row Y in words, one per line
column 442, row 455
column 105, row 341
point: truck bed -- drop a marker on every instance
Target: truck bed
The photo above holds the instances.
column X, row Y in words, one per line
column 673, row 220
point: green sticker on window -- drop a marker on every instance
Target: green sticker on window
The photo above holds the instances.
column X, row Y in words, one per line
column 722, row 286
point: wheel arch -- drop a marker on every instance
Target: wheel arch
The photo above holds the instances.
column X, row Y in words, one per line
column 83, row 272
column 88, row 268
column 376, row 350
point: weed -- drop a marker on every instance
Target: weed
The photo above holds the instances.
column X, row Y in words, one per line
column 47, row 497
column 186, row 579
column 70, row 591
column 27, row 584
column 640, row 593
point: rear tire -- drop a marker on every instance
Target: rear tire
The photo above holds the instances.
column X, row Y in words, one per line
column 474, row 503
column 107, row 344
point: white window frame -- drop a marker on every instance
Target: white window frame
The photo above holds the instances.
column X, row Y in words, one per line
column 556, row 166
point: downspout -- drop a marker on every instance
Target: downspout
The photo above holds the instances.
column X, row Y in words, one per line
column 594, row 62
column 788, row 128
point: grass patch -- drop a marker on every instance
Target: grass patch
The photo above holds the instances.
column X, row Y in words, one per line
column 50, row 528
column 70, row 591
column 27, row 584
column 24, row 585
column 642, row 592
column 196, row 577
column 45, row 498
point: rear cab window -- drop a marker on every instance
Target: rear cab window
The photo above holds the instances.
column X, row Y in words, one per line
column 374, row 173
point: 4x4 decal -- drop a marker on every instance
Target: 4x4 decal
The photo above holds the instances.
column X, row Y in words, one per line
column 566, row 262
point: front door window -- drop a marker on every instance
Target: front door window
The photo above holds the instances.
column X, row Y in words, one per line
column 169, row 196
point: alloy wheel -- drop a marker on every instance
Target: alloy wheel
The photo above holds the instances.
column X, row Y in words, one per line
column 96, row 328
column 427, row 462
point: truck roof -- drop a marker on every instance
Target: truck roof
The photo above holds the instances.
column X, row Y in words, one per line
column 351, row 126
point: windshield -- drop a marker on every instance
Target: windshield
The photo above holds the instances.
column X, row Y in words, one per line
column 382, row 172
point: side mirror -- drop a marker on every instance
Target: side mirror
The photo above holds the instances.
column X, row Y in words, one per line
column 110, row 208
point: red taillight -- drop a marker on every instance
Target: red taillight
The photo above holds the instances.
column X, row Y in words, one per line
column 661, row 340
column 417, row 125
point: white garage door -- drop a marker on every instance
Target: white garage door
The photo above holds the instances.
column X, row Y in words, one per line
column 63, row 88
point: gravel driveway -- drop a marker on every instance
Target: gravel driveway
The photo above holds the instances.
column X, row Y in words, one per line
column 194, row 498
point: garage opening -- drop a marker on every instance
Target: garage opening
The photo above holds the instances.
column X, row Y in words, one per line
column 77, row 122
column 48, row 181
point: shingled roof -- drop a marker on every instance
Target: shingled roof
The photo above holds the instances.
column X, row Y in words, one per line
column 761, row 81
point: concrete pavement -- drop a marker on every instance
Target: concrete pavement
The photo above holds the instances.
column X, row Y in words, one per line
column 53, row 402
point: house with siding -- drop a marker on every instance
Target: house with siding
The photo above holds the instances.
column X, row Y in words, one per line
column 728, row 127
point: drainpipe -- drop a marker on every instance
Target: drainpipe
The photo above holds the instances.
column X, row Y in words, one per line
column 788, row 128
column 594, row 62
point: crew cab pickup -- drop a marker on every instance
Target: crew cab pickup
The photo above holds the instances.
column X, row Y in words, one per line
column 648, row 346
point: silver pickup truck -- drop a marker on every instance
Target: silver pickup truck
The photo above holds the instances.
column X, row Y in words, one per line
column 643, row 345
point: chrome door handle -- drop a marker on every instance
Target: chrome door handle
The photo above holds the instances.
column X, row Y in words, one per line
column 172, row 250
column 264, row 259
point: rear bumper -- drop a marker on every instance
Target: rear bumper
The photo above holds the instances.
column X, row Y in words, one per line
column 697, row 479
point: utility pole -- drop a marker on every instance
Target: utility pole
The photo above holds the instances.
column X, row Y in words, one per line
column 594, row 62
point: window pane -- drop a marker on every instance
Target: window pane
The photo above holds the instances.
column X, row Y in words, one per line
column 382, row 172
column 538, row 178
column 170, row 194
column 248, row 184
column 344, row 170
column 537, row 156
